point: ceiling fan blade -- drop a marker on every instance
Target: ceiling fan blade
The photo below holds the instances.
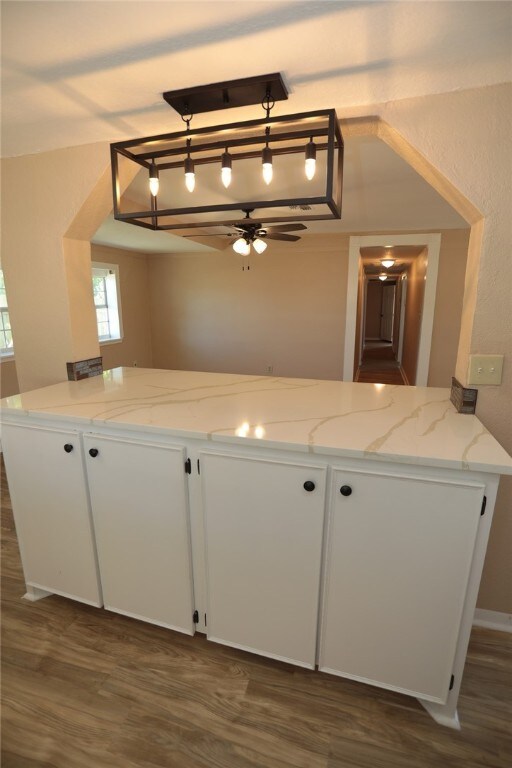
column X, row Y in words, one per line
column 218, row 234
column 280, row 236
column 285, row 228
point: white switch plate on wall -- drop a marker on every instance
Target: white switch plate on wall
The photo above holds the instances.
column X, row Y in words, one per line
column 485, row 369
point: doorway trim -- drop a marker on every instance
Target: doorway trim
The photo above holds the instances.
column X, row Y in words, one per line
column 432, row 241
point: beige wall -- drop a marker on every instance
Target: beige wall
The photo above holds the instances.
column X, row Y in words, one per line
column 465, row 135
column 133, row 283
column 135, row 301
column 448, row 306
column 287, row 311
column 460, row 138
column 416, row 275
column 51, row 324
column 8, row 378
column 136, row 343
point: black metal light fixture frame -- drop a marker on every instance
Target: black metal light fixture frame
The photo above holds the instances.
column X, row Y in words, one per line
column 291, row 140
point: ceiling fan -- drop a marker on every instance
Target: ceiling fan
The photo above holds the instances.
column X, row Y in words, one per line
column 250, row 232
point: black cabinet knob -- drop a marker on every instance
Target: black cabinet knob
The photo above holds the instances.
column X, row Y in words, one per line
column 309, row 485
column 93, row 452
column 68, row 447
column 346, row 490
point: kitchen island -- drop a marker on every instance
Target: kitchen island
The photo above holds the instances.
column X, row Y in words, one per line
column 327, row 524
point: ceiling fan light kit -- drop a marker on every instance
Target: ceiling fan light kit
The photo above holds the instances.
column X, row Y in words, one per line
column 300, row 156
column 259, row 245
column 252, row 233
column 242, row 246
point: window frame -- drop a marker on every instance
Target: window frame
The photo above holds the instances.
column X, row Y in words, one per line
column 6, row 353
column 115, row 300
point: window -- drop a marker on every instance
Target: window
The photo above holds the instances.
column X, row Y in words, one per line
column 6, row 346
column 105, row 288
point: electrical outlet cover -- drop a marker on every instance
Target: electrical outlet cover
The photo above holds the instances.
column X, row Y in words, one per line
column 485, row 369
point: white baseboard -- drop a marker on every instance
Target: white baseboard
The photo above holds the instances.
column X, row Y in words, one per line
column 493, row 620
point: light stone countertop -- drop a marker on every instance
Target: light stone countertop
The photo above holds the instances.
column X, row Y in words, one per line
column 409, row 425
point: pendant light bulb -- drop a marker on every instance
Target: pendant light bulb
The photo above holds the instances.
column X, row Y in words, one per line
column 383, row 277
column 310, row 165
column 225, row 173
column 259, row 245
column 242, row 247
column 190, row 176
column 266, row 159
column 190, row 181
column 154, row 182
column 310, row 168
column 386, row 263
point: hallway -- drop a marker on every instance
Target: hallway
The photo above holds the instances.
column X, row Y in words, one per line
column 379, row 364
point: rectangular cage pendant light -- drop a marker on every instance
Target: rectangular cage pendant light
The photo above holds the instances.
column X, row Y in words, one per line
column 283, row 168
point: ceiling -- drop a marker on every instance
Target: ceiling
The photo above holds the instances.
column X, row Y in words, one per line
column 83, row 71
column 80, row 72
column 403, row 256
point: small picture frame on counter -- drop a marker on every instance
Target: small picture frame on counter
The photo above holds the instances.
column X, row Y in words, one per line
column 463, row 398
column 84, row 369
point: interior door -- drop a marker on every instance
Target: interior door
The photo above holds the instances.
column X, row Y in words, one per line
column 397, row 317
column 264, row 528
column 401, row 332
column 388, row 311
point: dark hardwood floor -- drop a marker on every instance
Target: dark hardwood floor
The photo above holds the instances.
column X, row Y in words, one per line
column 379, row 365
column 82, row 687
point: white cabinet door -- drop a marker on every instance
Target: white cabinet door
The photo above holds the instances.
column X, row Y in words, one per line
column 51, row 511
column 398, row 559
column 263, row 554
column 140, row 509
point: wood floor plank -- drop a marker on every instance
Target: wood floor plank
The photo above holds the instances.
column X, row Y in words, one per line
column 379, row 365
column 82, row 687
column 158, row 740
column 261, row 711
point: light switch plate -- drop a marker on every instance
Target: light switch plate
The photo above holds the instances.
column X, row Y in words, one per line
column 485, row 369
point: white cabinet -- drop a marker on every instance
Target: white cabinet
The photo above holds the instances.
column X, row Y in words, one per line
column 138, row 531
column 51, row 511
column 263, row 532
column 398, row 560
column 383, row 593
column 140, row 509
